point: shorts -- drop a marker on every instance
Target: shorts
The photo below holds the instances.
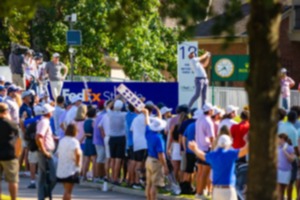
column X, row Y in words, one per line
column 117, row 147
column 224, row 193
column 176, row 155
column 154, row 172
column 202, row 162
column 89, row 148
column 32, row 157
column 70, row 179
column 190, row 160
column 10, row 169
column 100, row 153
column 106, row 146
column 294, row 171
column 283, row 177
column 183, row 162
column 140, row 155
column 130, row 154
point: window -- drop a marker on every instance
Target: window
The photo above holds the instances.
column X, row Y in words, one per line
column 297, row 17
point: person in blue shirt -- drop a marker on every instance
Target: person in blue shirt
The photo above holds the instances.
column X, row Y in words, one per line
column 25, row 112
column 129, row 144
column 25, row 109
column 222, row 161
column 156, row 162
column 188, row 136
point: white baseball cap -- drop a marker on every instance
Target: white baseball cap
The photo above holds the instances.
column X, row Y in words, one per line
column 75, row 99
column 118, row 105
column 25, row 94
column 283, row 70
column 231, row 108
column 197, row 114
column 56, row 55
column 2, row 78
column 38, row 110
column 207, row 107
column 32, row 92
column 47, row 108
column 165, row 109
column 218, row 111
column 157, row 124
column 224, row 141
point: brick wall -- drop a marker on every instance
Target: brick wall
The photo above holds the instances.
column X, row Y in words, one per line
column 289, row 52
column 233, row 48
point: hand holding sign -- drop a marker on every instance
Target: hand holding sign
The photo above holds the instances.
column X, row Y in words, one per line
column 130, row 97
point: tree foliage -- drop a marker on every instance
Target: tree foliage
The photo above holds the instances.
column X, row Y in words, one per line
column 130, row 30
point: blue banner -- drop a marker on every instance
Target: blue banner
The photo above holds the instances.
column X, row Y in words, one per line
column 166, row 93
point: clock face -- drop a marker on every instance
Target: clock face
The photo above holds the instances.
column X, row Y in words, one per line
column 224, row 68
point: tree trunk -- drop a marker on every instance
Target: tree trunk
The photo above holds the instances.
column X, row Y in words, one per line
column 263, row 93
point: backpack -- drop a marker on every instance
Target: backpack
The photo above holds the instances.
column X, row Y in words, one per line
column 30, row 136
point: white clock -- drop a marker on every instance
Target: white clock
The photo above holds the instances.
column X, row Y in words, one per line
column 224, row 68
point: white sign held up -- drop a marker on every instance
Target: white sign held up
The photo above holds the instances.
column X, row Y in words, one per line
column 130, row 97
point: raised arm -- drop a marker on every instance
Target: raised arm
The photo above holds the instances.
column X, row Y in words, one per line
column 200, row 154
column 205, row 59
column 146, row 113
column 158, row 112
column 292, row 82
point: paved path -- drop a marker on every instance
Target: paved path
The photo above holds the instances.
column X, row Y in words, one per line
column 79, row 193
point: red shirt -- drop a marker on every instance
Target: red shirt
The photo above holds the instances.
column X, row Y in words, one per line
column 238, row 133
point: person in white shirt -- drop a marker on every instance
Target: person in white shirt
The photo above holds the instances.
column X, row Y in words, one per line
column 69, row 161
column 228, row 120
column 76, row 102
column 30, row 66
column 138, row 128
column 286, row 83
column 117, row 140
column 198, row 65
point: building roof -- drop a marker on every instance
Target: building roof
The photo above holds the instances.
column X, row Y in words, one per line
column 204, row 29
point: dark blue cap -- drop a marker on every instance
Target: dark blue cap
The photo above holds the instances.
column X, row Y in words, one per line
column 12, row 88
column 182, row 109
column 2, row 88
column 7, row 84
column 38, row 55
